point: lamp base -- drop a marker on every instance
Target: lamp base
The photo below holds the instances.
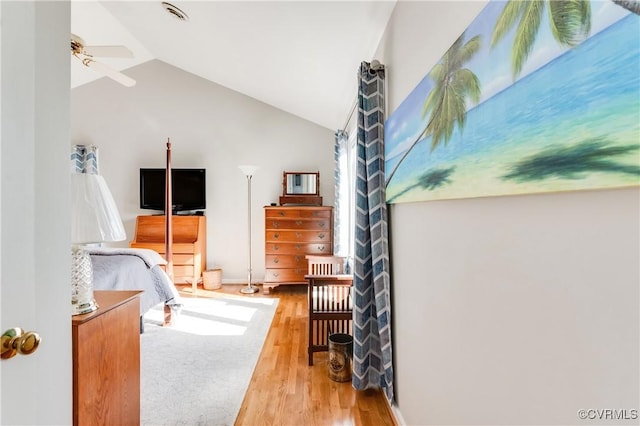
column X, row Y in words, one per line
column 250, row 289
column 82, row 301
column 85, row 308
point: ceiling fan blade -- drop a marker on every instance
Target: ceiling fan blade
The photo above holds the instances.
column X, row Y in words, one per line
column 109, row 72
column 108, row 51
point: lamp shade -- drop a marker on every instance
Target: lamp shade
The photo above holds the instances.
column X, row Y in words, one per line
column 248, row 170
column 94, row 215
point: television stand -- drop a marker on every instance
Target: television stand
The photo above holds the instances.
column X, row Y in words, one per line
column 189, row 244
column 191, row 213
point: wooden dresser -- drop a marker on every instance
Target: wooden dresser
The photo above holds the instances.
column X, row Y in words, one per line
column 106, row 361
column 292, row 232
column 189, row 243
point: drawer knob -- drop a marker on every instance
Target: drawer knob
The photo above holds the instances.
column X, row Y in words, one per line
column 321, row 236
column 281, row 213
column 321, row 248
column 298, row 235
column 298, row 222
column 276, row 247
column 275, row 274
column 276, row 260
column 321, row 224
column 298, row 246
column 276, row 224
column 276, row 235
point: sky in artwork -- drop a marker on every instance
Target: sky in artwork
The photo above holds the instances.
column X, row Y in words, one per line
column 492, row 66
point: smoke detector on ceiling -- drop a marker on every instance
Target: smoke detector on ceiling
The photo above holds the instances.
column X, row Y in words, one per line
column 175, row 11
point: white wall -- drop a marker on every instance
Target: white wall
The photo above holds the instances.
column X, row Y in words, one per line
column 507, row 310
column 210, row 126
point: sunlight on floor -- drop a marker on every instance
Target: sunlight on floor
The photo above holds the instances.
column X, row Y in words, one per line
column 223, row 316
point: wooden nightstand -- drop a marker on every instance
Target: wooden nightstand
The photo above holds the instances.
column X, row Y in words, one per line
column 106, row 361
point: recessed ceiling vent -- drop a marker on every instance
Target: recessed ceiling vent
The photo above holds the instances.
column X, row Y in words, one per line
column 175, row 11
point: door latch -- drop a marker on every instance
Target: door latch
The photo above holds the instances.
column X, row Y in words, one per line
column 17, row 341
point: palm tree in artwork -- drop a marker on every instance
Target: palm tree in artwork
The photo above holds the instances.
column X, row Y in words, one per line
column 570, row 22
column 630, row 5
column 447, row 101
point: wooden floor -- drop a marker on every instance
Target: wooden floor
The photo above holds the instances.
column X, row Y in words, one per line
column 284, row 389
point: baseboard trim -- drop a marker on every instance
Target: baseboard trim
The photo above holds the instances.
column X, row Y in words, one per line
column 395, row 414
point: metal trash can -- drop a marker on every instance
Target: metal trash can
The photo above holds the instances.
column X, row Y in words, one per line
column 212, row 279
column 340, row 354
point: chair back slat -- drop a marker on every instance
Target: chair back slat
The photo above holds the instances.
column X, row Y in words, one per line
column 325, row 265
column 331, row 298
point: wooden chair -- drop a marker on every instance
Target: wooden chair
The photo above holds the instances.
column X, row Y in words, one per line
column 330, row 303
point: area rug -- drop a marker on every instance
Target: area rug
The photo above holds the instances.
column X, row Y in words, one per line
column 197, row 371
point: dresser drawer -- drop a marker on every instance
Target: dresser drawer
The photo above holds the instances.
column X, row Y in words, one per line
column 285, row 275
column 298, row 248
column 288, row 223
column 298, row 213
column 161, row 247
column 183, row 259
column 183, row 271
column 297, row 236
column 285, row 261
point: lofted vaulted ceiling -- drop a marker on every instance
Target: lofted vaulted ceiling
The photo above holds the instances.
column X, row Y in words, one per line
column 298, row 56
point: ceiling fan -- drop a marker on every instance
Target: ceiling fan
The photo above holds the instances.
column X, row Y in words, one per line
column 86, row 54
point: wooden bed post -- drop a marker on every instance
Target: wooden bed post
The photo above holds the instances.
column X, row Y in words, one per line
column 168, row 211
column 168, row 231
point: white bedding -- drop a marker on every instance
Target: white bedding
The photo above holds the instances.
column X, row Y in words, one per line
column 134, row 269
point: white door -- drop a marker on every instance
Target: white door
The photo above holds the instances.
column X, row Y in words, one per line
column 34, row 214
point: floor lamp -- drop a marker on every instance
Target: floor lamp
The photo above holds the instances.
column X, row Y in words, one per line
column 248, row 172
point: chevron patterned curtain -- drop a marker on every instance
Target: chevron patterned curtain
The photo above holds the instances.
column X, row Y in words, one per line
column 372, row 356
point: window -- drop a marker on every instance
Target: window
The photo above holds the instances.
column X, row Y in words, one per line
column 345, row 192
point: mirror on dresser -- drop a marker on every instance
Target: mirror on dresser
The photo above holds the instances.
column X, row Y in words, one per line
column 302, row 188
column 301, row 183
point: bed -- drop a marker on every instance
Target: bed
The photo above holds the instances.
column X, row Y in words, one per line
column 135, row 269
column 140, row 269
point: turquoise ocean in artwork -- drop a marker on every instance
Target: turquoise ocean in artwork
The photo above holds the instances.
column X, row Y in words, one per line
column 572, row 124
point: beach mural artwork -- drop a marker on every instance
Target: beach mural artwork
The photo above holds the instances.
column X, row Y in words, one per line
column 534, row 96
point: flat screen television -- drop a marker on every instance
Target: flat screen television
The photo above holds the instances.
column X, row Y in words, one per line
column 189, row 189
